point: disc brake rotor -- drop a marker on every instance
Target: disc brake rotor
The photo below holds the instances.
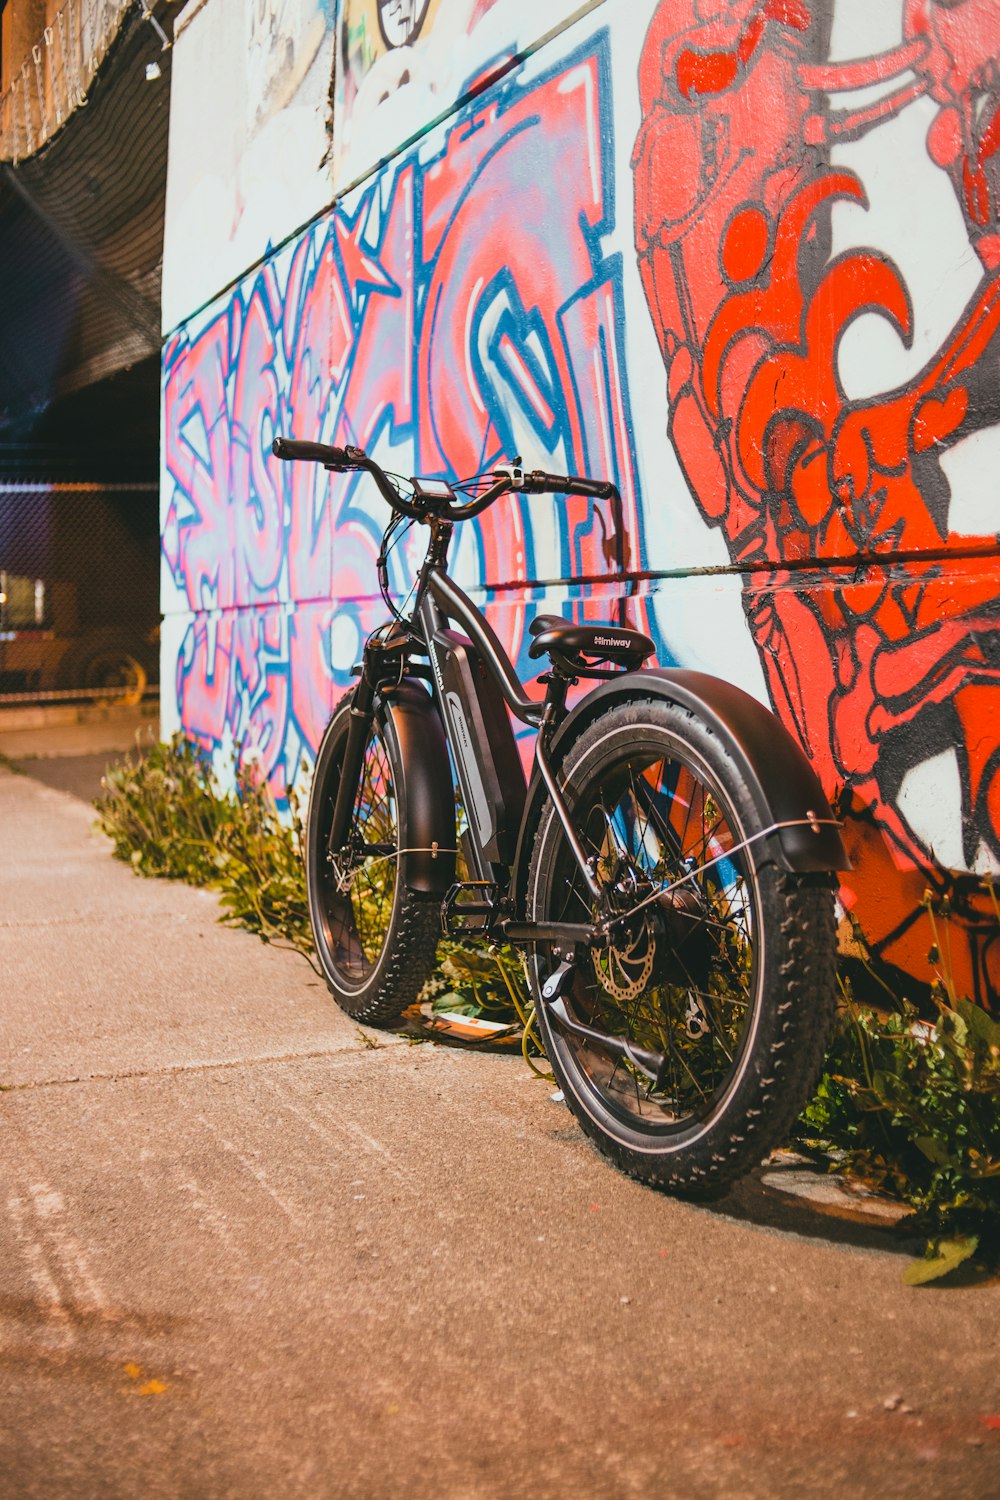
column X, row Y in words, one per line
column 623, row 968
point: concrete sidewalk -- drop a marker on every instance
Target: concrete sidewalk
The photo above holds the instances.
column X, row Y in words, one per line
column 69, row 747
column 247, row 1249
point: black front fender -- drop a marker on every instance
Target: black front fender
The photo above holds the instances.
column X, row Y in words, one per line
column 783, row 786
column 429, row 802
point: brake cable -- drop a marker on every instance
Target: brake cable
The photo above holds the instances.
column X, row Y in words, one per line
column 810, row 821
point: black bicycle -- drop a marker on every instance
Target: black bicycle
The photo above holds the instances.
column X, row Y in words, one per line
column 667, row 870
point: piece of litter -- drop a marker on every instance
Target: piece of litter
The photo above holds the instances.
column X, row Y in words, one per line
column 892, row 1403
column 851, row 1414
column 993, row 1423
column 625, row 1301
column 466, row 1028
column 558, row 1097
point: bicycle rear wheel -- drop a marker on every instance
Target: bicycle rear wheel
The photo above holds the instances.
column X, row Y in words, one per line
column 375, row 939
column 687, row 1044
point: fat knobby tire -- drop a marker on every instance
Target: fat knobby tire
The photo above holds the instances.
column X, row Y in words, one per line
column 795, row 993
column 408, row 953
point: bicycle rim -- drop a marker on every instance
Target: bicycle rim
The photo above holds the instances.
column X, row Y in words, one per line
column 356, row 904
column 681, row 981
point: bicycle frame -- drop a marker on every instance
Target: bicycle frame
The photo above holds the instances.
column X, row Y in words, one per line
column 475, row 688
column 473, row 684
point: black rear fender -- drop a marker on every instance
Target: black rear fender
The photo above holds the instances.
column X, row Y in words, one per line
column 783, row 786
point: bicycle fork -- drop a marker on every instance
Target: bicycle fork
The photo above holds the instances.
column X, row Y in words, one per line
column 380, row 663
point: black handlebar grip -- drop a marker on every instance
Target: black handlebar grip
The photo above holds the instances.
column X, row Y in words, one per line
column 317, row 453
column 598, row 489
column 570, row 484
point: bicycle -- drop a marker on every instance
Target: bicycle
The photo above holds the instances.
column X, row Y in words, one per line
column 667, row 872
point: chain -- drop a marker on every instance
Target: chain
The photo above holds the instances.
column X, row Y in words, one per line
column 10, row 110
column 67, row 77
column 78, row 92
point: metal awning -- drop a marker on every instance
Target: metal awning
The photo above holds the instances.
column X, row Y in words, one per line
column 81, row 233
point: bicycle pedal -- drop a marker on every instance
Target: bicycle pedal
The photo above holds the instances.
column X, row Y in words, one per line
column 471, row 915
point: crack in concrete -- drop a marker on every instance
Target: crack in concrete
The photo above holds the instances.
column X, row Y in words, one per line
column 388, row 1044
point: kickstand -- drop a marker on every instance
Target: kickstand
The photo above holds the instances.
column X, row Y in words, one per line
column 559, row 980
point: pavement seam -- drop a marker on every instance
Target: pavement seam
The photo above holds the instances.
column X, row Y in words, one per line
column 114, row 919
column 206, row 1067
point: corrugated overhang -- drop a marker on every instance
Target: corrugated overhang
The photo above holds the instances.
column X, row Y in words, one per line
column 81, row 234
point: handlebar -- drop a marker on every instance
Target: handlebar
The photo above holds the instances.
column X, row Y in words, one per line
column 505, row 480
column 343, row 460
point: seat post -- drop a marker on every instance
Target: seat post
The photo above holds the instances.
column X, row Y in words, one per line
column 557, row 685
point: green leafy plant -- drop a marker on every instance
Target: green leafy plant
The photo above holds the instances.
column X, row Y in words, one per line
column 488, row 982
column 909, row 1104
column 167, row 816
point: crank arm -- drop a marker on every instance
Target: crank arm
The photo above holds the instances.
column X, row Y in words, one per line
column 652, row 1064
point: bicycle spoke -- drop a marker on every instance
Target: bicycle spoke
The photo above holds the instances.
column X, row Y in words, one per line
column 360, row 915
column 658, row 819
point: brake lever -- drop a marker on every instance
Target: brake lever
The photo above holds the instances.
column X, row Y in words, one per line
column 513, row 473
column 353, row 456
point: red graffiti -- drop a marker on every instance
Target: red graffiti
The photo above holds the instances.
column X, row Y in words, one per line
column 890, row 655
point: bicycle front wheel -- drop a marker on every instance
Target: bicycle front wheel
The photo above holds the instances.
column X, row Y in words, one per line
column 687, row 1044
column 375, row 939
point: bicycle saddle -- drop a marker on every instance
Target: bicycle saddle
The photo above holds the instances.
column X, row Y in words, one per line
column 618, row 643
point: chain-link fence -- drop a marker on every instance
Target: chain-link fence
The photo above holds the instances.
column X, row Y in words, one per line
column 79, row 592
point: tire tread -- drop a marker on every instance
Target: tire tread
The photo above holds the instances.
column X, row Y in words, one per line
column 407, row 958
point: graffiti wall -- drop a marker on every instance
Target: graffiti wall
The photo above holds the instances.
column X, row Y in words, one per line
column 402, row 64
column 249, row 139
column 403, row 323
column 741, row 256
column 816, row 229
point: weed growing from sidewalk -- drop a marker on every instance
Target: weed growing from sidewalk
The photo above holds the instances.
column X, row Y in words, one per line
column 908, row 1104
column 167, row 816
